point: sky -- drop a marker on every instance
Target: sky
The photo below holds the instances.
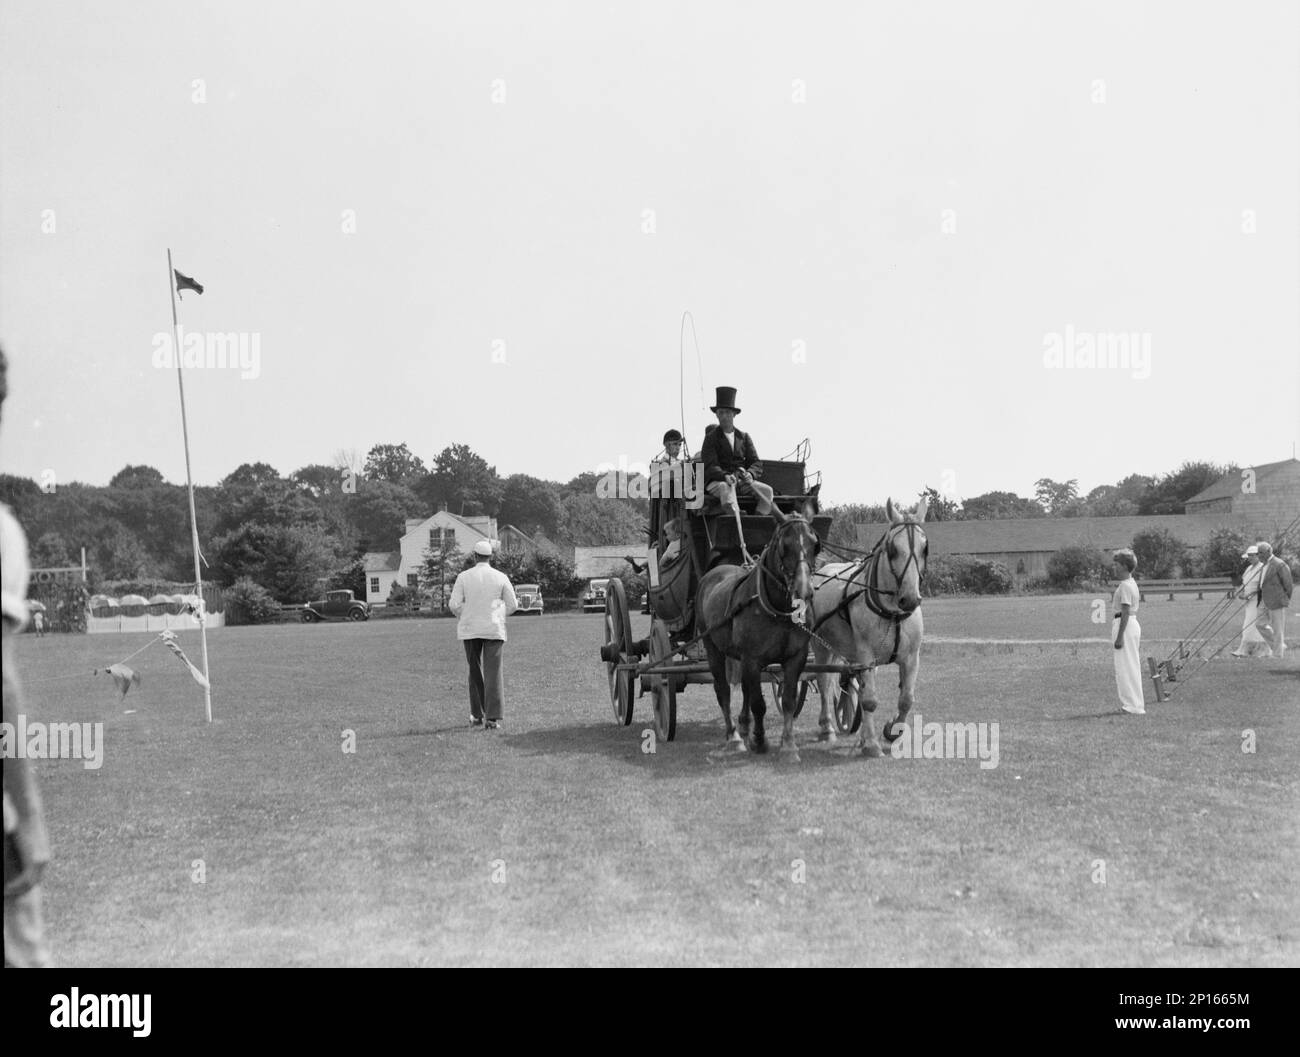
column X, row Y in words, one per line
column 481, row 224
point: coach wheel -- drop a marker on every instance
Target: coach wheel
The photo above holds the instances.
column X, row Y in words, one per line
column 618, row 640
column 664, row 695
column 799, row 698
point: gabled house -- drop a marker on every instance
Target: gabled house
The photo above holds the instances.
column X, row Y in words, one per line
column 383, row 569
column 1269, row 494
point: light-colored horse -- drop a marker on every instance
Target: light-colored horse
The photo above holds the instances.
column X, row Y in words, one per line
column 869, row 612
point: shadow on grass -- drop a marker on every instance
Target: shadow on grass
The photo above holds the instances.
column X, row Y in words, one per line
column 698, row 748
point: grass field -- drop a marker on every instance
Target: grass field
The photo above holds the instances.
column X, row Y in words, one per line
column 557, row 840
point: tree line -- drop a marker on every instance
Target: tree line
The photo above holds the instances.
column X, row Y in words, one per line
column 289, row 533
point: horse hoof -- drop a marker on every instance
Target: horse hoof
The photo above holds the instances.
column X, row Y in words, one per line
column 890, row 734
column 759, row 747
column 827, row 736
column 872, row 751
column 788, row 754
column 736, row 745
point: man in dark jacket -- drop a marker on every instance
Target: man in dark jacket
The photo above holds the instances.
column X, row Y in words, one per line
column 1275, row 589
column 731, row 461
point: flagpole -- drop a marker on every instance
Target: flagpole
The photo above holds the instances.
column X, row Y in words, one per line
column 189, row 484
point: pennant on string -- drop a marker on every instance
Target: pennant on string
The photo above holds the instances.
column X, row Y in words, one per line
column 169, row 640
column 123, row 677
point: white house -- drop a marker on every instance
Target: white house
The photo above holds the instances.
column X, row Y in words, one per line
column 383, row 569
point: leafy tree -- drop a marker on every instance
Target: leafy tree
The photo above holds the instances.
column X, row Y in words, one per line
column 50, row 551
column 351, row 577
column 1222, row 554
column 845, row 519
column 461, row 477
column 1159, row 553
column 250, row 475
column 20, row 494
column 1055, row 496
column 530, row 504
column 378, row 513
column 250, row 603
column 1076, row 567
column 120, row 556
column 1108, row 500
column 136, row 477
column 1170, row 493
column 589, row 521
column 318, row 480
column 393, row 463
column 441, row 565
column 995, row 506
column 288, row 560
column 939, row 507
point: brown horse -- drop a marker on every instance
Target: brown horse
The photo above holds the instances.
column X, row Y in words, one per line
column 754, row 616
column 869, row 613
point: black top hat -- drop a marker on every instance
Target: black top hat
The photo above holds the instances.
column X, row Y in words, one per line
column 726, row 400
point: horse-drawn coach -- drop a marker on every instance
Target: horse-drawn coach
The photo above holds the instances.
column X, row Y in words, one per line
column 716, row 620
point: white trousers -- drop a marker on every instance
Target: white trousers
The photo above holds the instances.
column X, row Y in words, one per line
column 1128, row 668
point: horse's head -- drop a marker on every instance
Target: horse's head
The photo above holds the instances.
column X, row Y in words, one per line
column 906, row 550
column 794, row 550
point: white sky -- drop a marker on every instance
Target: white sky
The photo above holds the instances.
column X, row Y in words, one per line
column 776, row 222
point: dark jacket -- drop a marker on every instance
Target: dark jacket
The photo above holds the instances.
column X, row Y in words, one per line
column 1275, row 585
column 721, row 459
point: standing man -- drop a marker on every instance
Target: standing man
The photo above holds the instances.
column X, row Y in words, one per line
column 731, row 463
column 482, row 598
column 27, row 846
column 1275, row 588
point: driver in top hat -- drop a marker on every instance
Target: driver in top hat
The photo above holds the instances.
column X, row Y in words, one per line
column 730, row 459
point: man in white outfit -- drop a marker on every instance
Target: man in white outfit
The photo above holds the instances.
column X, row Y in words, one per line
column 482, row 598
column 1252, row 641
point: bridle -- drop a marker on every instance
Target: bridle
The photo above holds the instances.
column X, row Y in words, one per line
column 871, row 592
column 797, row 605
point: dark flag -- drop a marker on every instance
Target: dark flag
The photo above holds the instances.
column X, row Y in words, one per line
column 184, row 282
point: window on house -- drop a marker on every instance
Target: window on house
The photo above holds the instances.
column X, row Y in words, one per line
column 374, row 585
column 412, row 579
column 1020, row 567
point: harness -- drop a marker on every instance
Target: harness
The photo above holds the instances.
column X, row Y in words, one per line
column 871, row 592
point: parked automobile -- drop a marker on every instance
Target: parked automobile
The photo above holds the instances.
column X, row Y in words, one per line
column 336, row 605
column 530, row 599
column 593, row 599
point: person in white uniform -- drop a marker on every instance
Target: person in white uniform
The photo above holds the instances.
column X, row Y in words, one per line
column 1128, row 635
column 1252, row 642
column 482, row 598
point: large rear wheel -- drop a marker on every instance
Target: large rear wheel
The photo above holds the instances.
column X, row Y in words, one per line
column 618, row 641
column 847, row 710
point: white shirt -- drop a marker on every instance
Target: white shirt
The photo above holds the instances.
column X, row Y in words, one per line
column 482, row 598
column 14, row 570
column 1127, row 591
column 731, row 438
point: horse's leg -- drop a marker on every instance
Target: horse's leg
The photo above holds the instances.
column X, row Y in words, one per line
column 908, row 664
column 722, row 688
column 825, row 724
column 868, row 743
column 789, row 695
column 733, row 667
column 751, row 679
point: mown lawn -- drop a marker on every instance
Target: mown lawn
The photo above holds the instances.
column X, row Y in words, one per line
column 559, row 841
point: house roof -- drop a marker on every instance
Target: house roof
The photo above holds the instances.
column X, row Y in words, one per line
column 1038, row 535
column 382, row 561
column 1229, row 485
column 483, row 524
column 516, row 531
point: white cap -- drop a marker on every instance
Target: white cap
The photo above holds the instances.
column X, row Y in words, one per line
column 483, row 547
column 1252, row 549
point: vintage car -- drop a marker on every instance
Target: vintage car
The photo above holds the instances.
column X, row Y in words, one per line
column 593, row 599
column 530, row 599
column 336, row 605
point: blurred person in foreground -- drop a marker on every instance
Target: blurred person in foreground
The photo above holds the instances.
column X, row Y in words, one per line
column 27, row 846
